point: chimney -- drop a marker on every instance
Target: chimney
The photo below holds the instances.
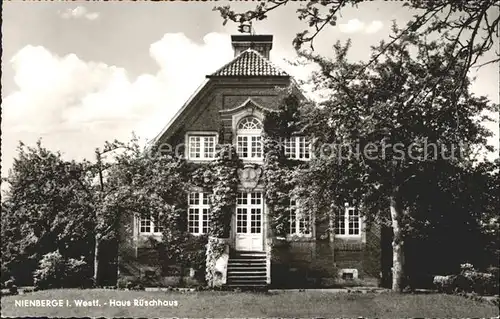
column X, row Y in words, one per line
column 260, row 43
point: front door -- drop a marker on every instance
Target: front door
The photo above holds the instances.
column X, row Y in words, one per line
column 249, row 212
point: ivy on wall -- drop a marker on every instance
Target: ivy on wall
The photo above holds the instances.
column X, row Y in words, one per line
column 215, row 249
column 277, row 186
column 225, row 188
column 220, row 177
column 224, row 178
column 278, row 171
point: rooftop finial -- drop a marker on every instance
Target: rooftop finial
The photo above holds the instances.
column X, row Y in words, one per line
column 246, row 27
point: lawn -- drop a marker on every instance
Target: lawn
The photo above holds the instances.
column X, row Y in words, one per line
column 244, row 304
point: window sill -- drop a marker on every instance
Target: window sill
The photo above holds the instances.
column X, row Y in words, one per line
column 201, row 160
column 252, row 160
column 299, row 159
column 150, row 234
column 349, row 237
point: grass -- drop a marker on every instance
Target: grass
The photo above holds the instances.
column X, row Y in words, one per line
column 244, row 304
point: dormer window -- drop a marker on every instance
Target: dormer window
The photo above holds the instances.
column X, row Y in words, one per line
column 248, row 138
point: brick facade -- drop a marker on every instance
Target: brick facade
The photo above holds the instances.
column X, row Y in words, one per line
column 312, row 261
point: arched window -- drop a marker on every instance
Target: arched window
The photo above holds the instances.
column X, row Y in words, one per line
column 249, row 123
column 248, row 138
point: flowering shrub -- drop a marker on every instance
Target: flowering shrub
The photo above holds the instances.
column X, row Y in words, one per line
column 444, row 283
column 469, row 280
column 54, row 271
column 11, row 285
column 478, row 282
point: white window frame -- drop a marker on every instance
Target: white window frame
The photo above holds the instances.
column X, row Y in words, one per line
column 248, row 208
column 203, row 142
column 346, row 219
column 199, row 207
column 151, row 226
column 295, row 229
column 292, row 147
column 249, row 134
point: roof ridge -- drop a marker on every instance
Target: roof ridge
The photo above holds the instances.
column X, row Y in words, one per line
column 266, row 59
column 262, row 64
column 232, row 60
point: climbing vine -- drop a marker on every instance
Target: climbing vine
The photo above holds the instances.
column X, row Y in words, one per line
column 220, row 178
column 225, row 187
column 277, row 186
column 224, row 177
column 278, row 173
column 215, row 248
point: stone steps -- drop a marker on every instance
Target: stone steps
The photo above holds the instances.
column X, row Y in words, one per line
column 247, row 270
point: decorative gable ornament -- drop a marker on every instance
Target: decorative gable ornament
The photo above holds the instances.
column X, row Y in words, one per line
column 249, row 176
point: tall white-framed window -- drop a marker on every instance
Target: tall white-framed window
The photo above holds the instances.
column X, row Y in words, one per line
column 147, row 226
column 249, row 208
column 198, row 212
column 201, row 147
column 297, row 147
column 348, row 222
column 248, row 138
column 300, row 222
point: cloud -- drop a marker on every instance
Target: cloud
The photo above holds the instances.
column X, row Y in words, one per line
column 355, row 25
column 352, row 26
column 76, row 105
column 374, row 27
column 78, row 13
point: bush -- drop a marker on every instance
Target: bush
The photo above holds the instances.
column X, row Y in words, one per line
column 9, row 283
column 138, row 286
column 121, row 283
column 186, row 251
column 479, row 282
column 130, row 285
column 73, row 273
column 448, row 284
column 468, row 281
column 50, row 271
column 5, row 275
column 482, row 283
column 13, row 290
column 54, row 271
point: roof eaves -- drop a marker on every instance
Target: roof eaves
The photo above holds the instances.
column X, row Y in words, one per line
column 178, row 114
column 227, row 64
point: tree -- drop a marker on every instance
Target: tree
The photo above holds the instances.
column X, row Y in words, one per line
column 450, row 203
column 469, row 27
column 395, row 125
column 144, row 183
column 47, row 207
column 457, row 18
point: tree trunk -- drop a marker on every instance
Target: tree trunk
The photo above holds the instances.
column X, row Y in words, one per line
column 181, row 278
column 397, row 244
column 96, row 260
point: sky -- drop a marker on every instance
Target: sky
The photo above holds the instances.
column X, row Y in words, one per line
column 77, row 74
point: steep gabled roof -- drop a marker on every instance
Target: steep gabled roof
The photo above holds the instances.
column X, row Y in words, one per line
column 249, row 63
